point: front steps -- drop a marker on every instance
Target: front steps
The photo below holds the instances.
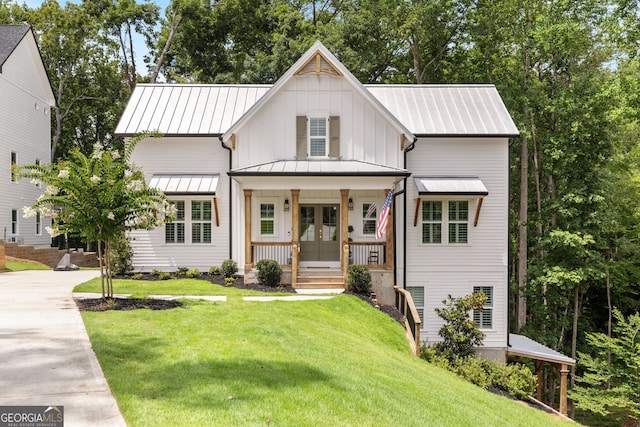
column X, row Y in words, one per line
column 320, row 279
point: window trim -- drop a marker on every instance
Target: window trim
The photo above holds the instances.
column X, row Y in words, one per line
column 326, row 136
column 262, row 219
column 203, row 221
column 15, row 230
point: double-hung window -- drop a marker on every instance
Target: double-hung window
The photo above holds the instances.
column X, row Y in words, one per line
column 38, row 185
column 458, row 221
column 14, row 221
column 174, row 230
column 14, row 162
column 201, row 221
column 267, row 219
column 431, row 221
column 484, row 317
column 417, row 295
column 318, row 136
column 369, row 215
column 38, row 224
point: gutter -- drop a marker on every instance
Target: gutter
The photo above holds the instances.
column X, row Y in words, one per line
column 404, row 224
column 229, row 201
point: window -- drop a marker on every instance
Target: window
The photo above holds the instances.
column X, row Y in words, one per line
column 174, row 231
column 452, row 215
column 318, row 136
column 458, row 217
column 484, row 318
column 14, row 221
column 14, row 162
column 201, row 221
column 431, row 221
column 267, row 219
column 417, row 295
column 38, row 185
column 369, row 215
column 38, row 224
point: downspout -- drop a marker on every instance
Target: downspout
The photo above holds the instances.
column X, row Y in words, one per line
column 404, row 224
column 511, row 141
column 230, row 201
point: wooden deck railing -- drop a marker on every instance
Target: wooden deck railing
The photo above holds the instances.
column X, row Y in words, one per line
column 279, row 251
column 404, row 303
column 370, row 254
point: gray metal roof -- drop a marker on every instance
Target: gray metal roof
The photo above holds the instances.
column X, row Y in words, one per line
column 519, row 345
column 210, row 110
column 447, row 110
column 10, row 37
column 440, row 185
column 185, row 183
column 320, row 168
column 183, row 110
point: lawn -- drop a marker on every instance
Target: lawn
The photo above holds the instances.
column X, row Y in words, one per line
column 306, row 363
column 23, row 265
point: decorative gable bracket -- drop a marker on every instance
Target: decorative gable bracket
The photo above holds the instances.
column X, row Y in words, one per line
column 318, row 63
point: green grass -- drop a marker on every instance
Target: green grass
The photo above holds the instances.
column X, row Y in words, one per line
column 144, row 288
column 23, row 265
column 309, row 363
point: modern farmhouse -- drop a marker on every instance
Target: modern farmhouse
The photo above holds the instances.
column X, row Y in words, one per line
column 299, row 171
column 26, row 99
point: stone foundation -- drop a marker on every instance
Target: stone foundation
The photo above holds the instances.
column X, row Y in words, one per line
column 46, row 256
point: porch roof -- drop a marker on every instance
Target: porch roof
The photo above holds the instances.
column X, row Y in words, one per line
column 450, row 185
column 519, row 345
column 316, row 168
column 196, row 184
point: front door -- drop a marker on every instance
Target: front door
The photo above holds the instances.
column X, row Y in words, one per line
column 319, row 233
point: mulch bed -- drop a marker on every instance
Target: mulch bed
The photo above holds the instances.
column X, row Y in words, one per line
column 99, row 304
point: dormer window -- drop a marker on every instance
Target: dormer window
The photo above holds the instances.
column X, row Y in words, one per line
column 318, row 136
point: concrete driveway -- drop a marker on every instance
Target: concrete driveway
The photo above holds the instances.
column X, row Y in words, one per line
column 46, row 358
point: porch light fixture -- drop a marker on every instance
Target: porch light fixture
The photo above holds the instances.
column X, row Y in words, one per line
column 350, row 204
column 286, row 205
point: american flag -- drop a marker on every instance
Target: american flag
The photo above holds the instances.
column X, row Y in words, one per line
column 381, row 228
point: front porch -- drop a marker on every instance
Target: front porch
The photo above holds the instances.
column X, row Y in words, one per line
column 328, row 267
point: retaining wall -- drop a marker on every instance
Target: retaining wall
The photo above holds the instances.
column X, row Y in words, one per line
column 47, row 256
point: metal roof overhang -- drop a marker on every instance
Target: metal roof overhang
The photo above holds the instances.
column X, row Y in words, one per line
column 185, row 184
column 519, row 345
column 318, row 175
column 452, row 185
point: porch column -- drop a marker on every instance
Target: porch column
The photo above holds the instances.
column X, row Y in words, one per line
column 344, row 234
column 564, row 370
column 539, row 365
column 295, row 236
column 248, row 260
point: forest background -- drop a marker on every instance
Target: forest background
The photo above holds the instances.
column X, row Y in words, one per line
column 568, row 71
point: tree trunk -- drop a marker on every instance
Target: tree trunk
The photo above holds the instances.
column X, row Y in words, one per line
column 175, row 22
column 522, row 233
column 101, row 264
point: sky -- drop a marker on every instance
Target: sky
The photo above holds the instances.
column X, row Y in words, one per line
column 139, row 46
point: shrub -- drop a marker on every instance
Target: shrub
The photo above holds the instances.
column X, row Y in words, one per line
column 156, row 272
column 194, row 273
column 459, row 333
column 215, row 271
column 516, row 379
column 228, row 268
column 229, row 281
column 163, row 275
column 182, row 271
column 121, row 254
column 269, row 272
column 359, row 279
column 137, row 276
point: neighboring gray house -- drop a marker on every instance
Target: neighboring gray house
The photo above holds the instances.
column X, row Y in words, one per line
column 26, row 100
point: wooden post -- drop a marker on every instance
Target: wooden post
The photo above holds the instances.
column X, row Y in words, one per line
column 344, row 233
column 539, row 365
column 563, row 388
column 295, row 236
column 248, row 259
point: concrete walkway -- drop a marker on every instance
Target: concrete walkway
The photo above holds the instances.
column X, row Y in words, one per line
column 46, row 358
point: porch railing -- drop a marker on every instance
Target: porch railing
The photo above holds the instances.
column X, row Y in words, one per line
column 404, row 303
column 279, row 251
column 370, row 254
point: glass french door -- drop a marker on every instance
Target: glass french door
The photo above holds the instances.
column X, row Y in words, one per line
column 319, row 233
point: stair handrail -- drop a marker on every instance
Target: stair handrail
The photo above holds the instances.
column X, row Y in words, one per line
column 404, row 304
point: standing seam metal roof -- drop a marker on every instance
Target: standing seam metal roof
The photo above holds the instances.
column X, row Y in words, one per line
column 210, row 110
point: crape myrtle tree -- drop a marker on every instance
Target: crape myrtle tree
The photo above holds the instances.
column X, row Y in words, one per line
column 98, row 197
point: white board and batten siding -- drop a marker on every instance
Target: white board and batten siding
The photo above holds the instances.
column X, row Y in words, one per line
column 25, row 129
column 189, row 155
column 365, row 134
column 445, row 269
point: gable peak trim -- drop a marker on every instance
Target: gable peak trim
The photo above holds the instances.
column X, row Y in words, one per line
column 318, row 63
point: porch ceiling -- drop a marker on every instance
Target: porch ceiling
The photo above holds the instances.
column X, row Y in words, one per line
column 318, row 175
